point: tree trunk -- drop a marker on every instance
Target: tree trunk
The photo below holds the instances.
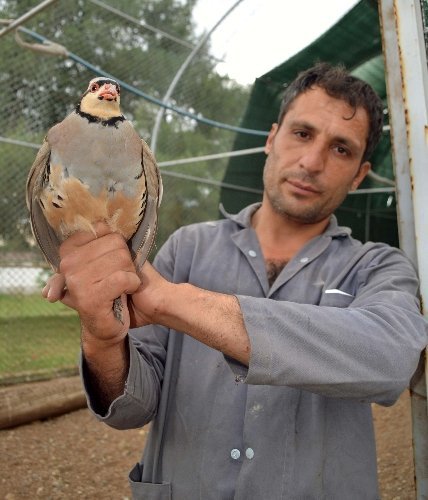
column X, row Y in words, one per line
column 25, row 403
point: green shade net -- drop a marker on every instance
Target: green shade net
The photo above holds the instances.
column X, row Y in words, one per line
column 354, row 41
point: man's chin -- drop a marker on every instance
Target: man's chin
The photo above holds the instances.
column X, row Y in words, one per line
column 306, row 219
column 300, row 215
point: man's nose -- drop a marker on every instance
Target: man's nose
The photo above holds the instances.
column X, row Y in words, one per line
column 313, row 158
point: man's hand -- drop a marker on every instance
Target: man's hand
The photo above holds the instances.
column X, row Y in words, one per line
column 94, row 271
column 148, row 301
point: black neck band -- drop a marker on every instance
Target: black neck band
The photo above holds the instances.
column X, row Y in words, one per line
column 110, row 122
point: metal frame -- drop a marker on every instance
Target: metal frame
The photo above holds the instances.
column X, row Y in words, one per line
column 407, row 85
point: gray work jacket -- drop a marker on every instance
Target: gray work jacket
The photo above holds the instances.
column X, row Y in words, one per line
column 339, row 329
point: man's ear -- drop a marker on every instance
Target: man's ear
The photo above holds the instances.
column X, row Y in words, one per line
column 362, row 172
column 269, row 140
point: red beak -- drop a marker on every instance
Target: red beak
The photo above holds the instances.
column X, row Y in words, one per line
column 108, row 92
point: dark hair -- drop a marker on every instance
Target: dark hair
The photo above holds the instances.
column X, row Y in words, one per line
column 337, row 82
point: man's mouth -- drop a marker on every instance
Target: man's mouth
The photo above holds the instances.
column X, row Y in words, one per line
column 302, row 187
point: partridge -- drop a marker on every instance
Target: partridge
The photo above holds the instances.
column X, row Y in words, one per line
column 91, row 167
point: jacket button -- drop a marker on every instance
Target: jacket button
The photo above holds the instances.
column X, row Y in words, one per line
column 249, row 452
column 235, row 454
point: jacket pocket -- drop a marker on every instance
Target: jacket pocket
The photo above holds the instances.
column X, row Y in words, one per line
column 147, row 491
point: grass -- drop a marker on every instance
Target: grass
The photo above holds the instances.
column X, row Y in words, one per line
column 36, row 336
column 28, row 306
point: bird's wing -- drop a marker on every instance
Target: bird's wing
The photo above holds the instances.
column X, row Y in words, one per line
column 142, row 241
column 39, row 164
column 44, row 234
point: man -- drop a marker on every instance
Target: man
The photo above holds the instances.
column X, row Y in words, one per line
column 291, row 327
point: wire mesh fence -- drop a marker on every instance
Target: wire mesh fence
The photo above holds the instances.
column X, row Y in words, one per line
column 143, row 47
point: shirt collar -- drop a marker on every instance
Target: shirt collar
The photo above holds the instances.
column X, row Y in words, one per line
column 243, row 219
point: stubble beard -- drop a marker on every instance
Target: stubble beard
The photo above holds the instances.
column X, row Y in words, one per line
column 310, row 214
column 307, row 215
column 295, row 209
column 283, row 207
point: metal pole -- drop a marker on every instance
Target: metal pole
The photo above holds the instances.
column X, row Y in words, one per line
column 407, row 85
column 180, row 72
column 28, row 15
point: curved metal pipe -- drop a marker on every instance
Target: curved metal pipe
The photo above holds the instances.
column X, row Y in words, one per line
column 28, row 15
column 180, row 72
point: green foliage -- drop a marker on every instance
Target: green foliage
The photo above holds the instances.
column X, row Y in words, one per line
column 14, row 226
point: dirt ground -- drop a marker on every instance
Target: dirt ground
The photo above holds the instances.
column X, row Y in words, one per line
column 75, row 457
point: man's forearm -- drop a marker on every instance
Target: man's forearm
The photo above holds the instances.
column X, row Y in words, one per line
column 107, row 368
column 212, row 318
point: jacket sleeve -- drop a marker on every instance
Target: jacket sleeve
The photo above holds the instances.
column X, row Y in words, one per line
column 139, row 402
column 368, row 350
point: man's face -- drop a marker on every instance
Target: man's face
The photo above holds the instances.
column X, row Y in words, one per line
column 314, row 157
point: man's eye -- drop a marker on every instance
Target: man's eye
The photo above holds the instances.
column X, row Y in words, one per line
column 302, row 134
column 342, row 151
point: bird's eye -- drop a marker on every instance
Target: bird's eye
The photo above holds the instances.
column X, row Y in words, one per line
column 118, row 89
column 94, row 87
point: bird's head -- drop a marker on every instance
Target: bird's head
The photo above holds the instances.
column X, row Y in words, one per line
column 102, row 98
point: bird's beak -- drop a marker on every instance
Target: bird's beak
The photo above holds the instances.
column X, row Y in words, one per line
column 108, row 92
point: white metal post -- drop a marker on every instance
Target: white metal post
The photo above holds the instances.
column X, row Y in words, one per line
column 407, row 85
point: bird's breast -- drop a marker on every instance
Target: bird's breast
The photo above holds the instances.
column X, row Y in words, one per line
column 95, row 173
column 99, row 156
